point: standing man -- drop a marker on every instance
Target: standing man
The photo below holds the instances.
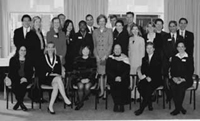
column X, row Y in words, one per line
column 129, row 19
column 20, row 33
column 113, row 20
column 169, row 50
column 62, row 18
column 188, row 36
column 90, row 21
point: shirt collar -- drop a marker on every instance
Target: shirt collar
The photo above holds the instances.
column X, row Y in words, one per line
column 184, row 55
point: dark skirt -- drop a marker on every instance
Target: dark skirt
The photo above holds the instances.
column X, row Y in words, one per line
column 48, row 80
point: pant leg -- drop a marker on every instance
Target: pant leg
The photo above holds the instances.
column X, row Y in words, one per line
column 19, row 90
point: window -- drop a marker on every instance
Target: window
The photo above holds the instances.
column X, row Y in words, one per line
column 46, row 9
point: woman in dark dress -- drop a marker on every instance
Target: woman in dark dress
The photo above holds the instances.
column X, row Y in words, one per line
column 85, row 72
column 69, row 31
column 182, row 69
column 20, row 73
column 121, row 37
column 154, row 37
column 117, row 70
column 150, row 78
column 52, row 75
column 36, row 45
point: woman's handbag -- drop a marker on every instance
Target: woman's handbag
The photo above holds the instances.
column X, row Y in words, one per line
column 35, row 93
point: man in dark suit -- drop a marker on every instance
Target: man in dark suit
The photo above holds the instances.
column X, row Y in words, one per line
column 129, row 19
column 90, row 21
column 82, row 38
column 188, row 36
column 169, row 50
column 150, row 78
column 20, row 33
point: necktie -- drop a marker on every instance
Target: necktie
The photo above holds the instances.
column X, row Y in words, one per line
column 26, row 31
column 182, row 34
column 173, row 40
column 91, row 29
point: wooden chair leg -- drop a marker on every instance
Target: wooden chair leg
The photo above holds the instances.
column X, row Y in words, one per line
column 96, row 98
column 163, row 93
column 106, row 100
column 11, row 96
column 194, row 101
column 190, row 96
column 7, row 98
column 32, row 104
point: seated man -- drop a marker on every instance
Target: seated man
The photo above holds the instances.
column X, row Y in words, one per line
column 85, row 70
column 150, row 77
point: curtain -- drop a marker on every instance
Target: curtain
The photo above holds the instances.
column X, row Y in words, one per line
column 4, row 36
column 190, row 9
column 76, row 10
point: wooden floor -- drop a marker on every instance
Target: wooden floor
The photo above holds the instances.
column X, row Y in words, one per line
column 89, row 113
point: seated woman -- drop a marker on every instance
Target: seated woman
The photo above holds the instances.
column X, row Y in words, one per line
column 150, row 77
column 117, row 70
column 52, row 75
column 20, row 73
column 181, row 71
column 85, row 72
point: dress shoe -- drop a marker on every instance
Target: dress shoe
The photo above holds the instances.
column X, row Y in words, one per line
column 51, row 112
column 24, row 108
column 175, row 112
column 138, row 112
column 183, row 111
column 121, row 108
column 150, row 107
column 16, row 106
column 116, row 109
column 80, row 105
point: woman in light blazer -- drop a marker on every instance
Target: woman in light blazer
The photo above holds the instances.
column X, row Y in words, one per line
column 103, row 41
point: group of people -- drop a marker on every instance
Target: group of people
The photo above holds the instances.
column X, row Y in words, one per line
column 114, row 54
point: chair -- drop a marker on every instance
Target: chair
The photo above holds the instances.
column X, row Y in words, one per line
column 9, row 91
column 192, row 91
column 160, row 88
column 73, row 89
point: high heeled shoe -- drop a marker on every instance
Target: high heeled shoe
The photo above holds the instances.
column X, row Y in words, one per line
column 48, row 110
column 70, row 104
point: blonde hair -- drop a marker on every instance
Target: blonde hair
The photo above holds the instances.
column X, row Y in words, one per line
column 152, row 24
column 33, row 21
column 46, row 46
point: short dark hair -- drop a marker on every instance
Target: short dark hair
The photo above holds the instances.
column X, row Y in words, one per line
column 181, row 41
column 26, row 16
column 119, row 21
column 82, row 21
column 150, row 43
column 113, row 16
column 101, row 16
column 88, row 15
column 183, row 19
column 172, row 21
column 61, row 14
column 130, row 13
column 158, row 19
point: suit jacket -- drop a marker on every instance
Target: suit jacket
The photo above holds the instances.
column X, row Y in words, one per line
column 189, row 42
column 14, row 67
column 19, row 39
column 122, row 39
column 158, row 42
column 80, row 41
column 183, row 67
column 59, row 41
column 87, row 29
column 152, row 69
column 48, row 67
column 34, row 45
